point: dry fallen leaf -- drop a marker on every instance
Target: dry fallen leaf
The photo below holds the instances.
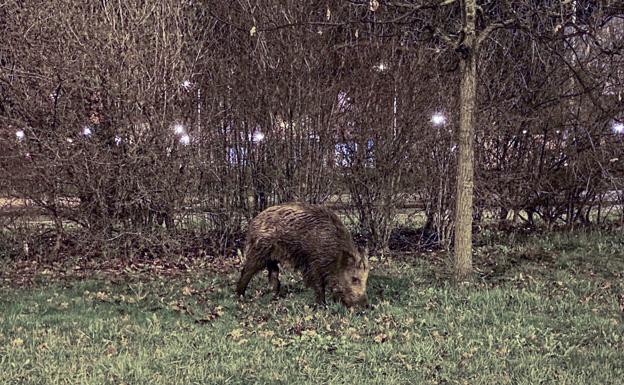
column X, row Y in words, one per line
column 111, row 350
column 381, row 338
column 187, row 291
column 352, row 333
column 236, row 333
column 266, row 334
column 279, row 342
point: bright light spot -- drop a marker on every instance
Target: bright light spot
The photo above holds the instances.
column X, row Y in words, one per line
column 20, row 135
column 185, row 140
column 187, row 84
column 438, row 119
column 558, row 132
column 70, row 140
column 618, row 128
column 179, row 129
column 117, row 139
column 87, row 131
column 257, row 137
column 524, row 132
column 381, row 67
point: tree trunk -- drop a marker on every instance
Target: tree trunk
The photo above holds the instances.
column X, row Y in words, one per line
column 465, row 161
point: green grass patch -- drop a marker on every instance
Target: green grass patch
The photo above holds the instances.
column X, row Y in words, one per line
column 544, row 310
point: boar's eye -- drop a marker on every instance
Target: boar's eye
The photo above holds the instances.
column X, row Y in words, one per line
column 355, row 280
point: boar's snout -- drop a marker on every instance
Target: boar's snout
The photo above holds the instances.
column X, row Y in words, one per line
column 358, row 302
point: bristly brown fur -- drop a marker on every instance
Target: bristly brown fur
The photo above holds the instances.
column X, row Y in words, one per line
column 313, row 240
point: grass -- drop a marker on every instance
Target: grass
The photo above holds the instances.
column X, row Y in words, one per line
column 544, row 310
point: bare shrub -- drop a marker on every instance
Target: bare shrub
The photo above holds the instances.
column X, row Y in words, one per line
column 133, row 129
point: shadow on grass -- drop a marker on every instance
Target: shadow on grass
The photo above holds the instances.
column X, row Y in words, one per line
column 591, row 253
column 388, row 288
column 497, row 267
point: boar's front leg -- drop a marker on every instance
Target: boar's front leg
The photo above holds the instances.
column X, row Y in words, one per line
column 249, row 270
column 258, row 258
column 319, row 290
column 316, row 282
column 318, row 285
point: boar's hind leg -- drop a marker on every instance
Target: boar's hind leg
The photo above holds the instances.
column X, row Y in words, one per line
column 250, row 269
column 274, row 277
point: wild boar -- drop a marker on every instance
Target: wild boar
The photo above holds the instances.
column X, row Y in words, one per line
column 314, row 241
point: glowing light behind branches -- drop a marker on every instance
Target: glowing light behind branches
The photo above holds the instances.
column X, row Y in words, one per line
column 257, row 137
column 438, row 119
column 179, row 129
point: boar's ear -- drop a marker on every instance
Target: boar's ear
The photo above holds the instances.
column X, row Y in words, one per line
column 350, row 259
column 357, row 259
column 363, row 252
